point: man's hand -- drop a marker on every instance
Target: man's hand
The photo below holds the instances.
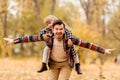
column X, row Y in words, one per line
column 109, row 51
column 8, row 40
column 70, row 43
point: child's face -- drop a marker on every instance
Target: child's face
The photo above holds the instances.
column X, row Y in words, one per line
column 49, row 24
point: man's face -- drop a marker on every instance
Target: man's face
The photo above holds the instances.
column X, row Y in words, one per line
column 58, row 31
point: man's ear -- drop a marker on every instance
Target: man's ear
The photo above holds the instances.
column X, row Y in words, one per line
column 64, row 30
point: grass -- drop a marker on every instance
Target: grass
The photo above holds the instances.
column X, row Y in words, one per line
column 25, row 69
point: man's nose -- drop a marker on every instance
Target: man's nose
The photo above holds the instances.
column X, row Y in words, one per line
column 58, row 30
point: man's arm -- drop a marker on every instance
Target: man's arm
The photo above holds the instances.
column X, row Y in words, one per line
column 45, row 34
column 91, row 46
column 32, row 38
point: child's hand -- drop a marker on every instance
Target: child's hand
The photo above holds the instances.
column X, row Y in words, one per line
column 8, row 40
column 70, row 43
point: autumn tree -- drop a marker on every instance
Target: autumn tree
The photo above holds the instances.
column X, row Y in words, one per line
column 95, row 12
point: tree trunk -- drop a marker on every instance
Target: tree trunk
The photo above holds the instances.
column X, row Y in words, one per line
column 87, row 9
column 37, row 10
column 5, row 24
column 52, row 6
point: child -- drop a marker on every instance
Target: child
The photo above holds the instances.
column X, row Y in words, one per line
column 48, row 21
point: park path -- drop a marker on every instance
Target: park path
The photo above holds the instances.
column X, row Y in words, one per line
column 25, row 69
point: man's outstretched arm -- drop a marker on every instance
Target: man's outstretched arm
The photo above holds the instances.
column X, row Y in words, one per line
column 91, row 46
column 32, row 38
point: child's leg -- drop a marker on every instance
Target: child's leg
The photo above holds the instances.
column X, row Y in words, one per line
column 45, row 54
column 76, row 60
column 44, row 59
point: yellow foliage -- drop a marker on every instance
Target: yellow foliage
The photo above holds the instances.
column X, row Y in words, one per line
column 20, row 30
column 88, row 33
column 6, row 50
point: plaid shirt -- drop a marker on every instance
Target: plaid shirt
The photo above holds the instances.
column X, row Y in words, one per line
column 76, row 41
column 87, row 45
column 25, row 39
column 71, row 54
column 45, row 31
column 68, row 33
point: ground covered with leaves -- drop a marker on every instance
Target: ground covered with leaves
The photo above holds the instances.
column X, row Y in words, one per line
column 25, row 69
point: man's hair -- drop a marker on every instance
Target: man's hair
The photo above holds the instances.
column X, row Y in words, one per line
column 58, row 22
column 49, row 18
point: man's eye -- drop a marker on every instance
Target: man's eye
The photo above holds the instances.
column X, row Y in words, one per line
column 60, row 29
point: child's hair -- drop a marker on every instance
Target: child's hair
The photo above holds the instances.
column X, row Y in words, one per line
column 49, row 18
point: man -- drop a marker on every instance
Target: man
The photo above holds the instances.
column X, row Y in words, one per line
column 60, row 58
column 45, row 34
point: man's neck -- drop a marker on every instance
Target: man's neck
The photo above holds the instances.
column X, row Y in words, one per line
column 59, row 39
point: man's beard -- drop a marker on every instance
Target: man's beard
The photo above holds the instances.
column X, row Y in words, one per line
column 59, row 37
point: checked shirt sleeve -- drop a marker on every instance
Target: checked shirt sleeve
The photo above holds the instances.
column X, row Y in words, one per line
column 74, row 52
column 88, row 45
column 68, row 33
column 32, row 38
column 43, row 31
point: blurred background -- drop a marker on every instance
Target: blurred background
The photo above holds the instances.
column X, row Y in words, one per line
column 96, row 21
